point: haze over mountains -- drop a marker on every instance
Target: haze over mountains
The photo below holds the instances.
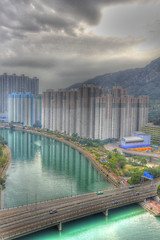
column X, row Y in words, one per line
column 139, row 81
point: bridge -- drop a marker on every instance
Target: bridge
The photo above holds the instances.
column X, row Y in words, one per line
column 20, row 221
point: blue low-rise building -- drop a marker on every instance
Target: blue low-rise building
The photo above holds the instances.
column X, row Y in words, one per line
column 139, row 139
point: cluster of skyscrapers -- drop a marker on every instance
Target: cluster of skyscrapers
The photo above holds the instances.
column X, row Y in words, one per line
column 91, row 113
column 15, row 84
column 87, row 111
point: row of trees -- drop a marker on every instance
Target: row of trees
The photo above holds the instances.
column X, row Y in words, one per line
column 37, row 124
column 3, row 159
column 91, row 142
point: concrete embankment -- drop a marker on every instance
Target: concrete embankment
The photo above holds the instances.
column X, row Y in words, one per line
column 152, row 207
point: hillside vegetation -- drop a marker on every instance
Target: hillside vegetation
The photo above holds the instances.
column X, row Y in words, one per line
column 139, row 81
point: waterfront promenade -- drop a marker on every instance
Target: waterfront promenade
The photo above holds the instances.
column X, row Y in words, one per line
column 23, row 220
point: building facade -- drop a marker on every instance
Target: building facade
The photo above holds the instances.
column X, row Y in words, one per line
column 38, row 108
column 15, row 84
column 24, row 108
column 71, row 111
column 154, row 130
column 91, row 113
column 138, row 140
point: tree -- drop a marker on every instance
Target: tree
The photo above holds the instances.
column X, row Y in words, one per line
column 158, row 190
column 113, row 162
column 109, row 155
column 115, row 150
column 75, row 135
column 143, row 160
column 2, row 182
column 3, row 161
column 122, row 161
column 37, row 124
column 136, row 176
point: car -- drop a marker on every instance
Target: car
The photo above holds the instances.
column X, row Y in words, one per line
column 114, row 202
column 136, row 194
column 53, row 211
column 99, row 193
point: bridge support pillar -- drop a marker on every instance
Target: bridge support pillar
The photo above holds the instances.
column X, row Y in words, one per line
column 60, row 226
column 106, row 213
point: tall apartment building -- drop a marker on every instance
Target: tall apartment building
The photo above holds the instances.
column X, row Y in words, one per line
column 71, row 111
column 14, row 84
column 38, row 108
column 91, row 113
column 24, row 108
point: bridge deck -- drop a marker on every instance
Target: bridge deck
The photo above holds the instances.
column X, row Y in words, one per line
column 21, row 221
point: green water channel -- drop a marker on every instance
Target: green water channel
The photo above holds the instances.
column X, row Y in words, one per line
column 42, row 169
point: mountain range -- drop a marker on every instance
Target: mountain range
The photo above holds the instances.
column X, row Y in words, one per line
column 138, row 81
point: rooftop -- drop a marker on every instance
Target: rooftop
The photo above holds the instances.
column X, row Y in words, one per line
column 132, row 139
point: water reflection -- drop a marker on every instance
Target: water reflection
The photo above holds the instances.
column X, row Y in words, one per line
column 43, row 169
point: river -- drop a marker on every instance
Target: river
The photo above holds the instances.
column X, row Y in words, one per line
column 42, row 169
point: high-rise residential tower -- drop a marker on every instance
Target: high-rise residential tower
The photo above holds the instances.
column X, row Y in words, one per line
column 25, row 108
column 15, row 84
column 91, row 113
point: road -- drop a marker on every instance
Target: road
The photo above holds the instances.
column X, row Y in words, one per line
column 23, row 220
column 110, row 147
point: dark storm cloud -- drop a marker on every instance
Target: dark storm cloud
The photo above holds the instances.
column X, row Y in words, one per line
column 37, row 15
column 30, row 16
column 88, row 11
column 55, row 40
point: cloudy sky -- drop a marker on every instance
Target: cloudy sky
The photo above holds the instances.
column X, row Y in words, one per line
column 68, row 41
